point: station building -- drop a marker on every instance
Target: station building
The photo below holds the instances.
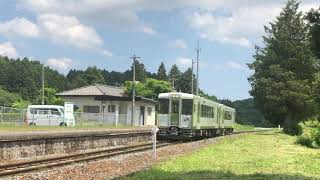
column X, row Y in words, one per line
column 103, row 102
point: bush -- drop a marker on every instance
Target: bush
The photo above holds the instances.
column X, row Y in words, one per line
column 293, row 130
column 304, row 140
column 316, row 136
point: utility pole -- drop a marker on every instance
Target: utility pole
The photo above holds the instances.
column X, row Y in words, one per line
column 198, row 52
column 42, row 85
column 192, row 89
column 134, row 57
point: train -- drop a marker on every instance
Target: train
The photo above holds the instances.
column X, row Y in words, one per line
column 183, row 115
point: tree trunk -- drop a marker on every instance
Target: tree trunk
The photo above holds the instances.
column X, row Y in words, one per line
column 291, row 125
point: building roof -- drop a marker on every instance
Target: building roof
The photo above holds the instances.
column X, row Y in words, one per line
column 95, row 90
column 103, row 93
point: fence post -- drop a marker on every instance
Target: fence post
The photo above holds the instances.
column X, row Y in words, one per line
column 154, row 139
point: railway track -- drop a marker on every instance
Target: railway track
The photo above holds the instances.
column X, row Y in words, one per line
column 45, row 163
column 29, row 166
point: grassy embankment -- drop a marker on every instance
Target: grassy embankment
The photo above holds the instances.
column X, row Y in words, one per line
column 265, row 155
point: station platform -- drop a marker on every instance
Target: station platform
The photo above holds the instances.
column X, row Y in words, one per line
column 29, row 135
column 21, row 145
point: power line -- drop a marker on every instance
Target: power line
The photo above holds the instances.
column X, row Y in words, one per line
column 134, row 57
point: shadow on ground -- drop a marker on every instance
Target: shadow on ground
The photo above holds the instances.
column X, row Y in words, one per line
column 159, row 174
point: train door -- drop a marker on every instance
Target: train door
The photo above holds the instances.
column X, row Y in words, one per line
column 175, row 115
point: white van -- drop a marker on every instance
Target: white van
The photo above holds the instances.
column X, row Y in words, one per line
column 46, row 115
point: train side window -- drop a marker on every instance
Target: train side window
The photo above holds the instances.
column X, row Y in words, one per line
column 227, row 115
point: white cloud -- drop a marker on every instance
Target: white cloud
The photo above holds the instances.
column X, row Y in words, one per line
column 229, row 65
column 178, row 43
column 234, row 65
column 183, row 62
column 7, row 49
column 106, row 53
column 19, row 26
column 120, row 15
column 67, row 29
column 237, row 22
column 60, row 63
column 244, row 24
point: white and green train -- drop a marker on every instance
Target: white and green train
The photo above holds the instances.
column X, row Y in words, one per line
column 188, row 115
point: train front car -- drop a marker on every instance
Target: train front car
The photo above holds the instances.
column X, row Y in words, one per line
column 175, row 114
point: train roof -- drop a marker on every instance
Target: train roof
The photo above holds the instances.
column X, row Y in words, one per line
column 188, row 96
column 180, row 94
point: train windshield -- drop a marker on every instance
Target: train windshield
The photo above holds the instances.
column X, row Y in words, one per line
column 187, row 106
column 163, row 106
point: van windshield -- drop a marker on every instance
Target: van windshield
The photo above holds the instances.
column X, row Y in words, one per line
column 62, row 110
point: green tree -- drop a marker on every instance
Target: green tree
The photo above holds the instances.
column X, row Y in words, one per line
column 313, row 17
column 174, row 73
column 50, row 97
column 183, row 84
column 21, row 104
column 93, row 75
column 7, row 99
column 226, row 102
column 210, row 97
column 248, row 114
column 162, row 73
column 141, row 72
column 151, row 88
column 284, row 69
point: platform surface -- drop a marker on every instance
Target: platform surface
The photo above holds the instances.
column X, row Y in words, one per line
column 65, row 133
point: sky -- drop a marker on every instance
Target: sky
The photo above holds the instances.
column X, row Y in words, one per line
column 68, row 34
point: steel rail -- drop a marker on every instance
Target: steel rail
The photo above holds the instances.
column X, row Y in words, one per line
column 28, row 166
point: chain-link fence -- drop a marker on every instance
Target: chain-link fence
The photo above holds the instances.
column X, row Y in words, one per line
column 87, row 119
column 13, row 116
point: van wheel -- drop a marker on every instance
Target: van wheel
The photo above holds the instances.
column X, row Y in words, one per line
column 63, row 124
column 32, row 124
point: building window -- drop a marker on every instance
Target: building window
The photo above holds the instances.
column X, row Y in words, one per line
column 149, row 111
column 91, row 109
column 111, row 108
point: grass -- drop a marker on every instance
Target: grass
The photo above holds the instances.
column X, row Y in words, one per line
column 25, row 128
column 240, row 127
column 264, row 155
